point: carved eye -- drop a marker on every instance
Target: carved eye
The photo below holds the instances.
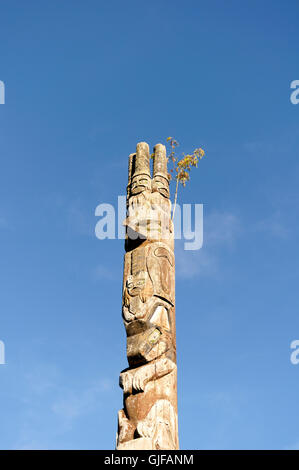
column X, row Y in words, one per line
column 154, row 336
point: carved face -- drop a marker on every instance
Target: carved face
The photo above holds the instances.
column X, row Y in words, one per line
column 136, row 284
column 161, row 185
column 140, row 183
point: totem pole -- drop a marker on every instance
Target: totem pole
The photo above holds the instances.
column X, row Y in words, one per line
column 148, row 419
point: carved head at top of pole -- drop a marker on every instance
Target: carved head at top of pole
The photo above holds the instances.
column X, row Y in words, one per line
column 140, row 174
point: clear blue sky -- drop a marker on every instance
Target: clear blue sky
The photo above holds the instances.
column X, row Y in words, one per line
column 85, row 81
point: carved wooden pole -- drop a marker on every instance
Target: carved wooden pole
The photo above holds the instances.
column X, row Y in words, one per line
column 149, row 417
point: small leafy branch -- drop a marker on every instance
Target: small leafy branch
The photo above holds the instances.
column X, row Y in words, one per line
column 181, row 167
